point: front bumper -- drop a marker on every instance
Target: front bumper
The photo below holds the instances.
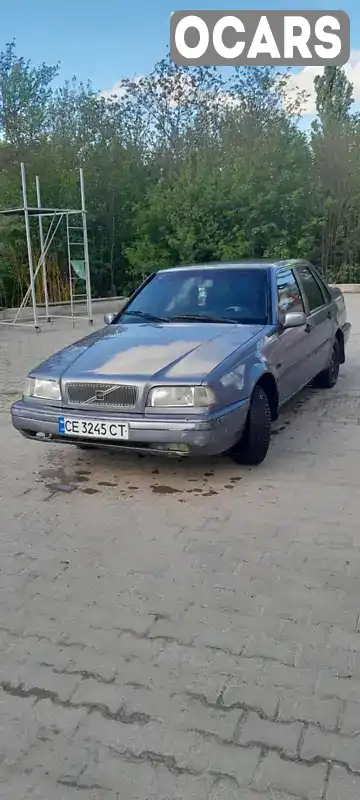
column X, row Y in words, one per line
column 211, row 436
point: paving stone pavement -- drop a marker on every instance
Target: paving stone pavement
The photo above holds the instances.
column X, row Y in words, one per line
column 177, row 630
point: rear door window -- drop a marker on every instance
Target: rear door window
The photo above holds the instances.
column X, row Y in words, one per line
column 311, row 288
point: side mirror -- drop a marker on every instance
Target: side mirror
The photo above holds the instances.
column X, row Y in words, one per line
column 109, row 318
column 294, row 319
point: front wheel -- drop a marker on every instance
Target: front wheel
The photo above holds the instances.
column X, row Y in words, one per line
column 253, row 447
column 328, row 378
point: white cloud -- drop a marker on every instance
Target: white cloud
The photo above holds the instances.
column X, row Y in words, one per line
column 181, row 94
column 181, row 90
column 118, row 90
column 304, row 80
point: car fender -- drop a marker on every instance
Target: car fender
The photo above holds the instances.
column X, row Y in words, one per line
column 238, row 383
column 255, row 372
column 261, row 373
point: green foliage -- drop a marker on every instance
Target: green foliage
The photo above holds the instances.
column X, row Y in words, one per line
column 334, row 96
column 25, row 94
column 183, row 165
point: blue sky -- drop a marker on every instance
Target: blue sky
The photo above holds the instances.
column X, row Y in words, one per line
column 105, row 40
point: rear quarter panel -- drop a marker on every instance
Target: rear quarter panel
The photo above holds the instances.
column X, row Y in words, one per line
column 339, row 302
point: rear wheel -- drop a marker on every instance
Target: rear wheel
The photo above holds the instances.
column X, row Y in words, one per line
column 328, row 378
column 255, row 441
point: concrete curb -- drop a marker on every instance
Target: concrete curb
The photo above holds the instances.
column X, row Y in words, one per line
column 100, row 305
column 348, row 288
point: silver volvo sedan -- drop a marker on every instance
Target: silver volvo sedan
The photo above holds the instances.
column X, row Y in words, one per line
column 198, row 362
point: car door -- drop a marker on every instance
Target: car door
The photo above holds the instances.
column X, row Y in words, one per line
column 320, row 320
column 289, row 347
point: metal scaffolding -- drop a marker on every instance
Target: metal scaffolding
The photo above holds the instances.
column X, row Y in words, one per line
column 56, row 216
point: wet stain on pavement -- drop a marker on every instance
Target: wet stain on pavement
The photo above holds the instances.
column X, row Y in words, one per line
column 165, row 490
column 67, row 488
column 57, row 480
column 58, row 473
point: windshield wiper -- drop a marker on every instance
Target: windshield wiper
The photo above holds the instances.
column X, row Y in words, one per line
column 146, row 315
column 200, row 318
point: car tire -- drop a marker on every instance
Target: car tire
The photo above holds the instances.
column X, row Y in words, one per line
column 254, row 444
column 329, row 377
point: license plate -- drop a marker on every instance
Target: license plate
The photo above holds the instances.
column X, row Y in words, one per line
column 92, row 428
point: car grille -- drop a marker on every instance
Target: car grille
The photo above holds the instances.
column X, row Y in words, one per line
column 101, row 394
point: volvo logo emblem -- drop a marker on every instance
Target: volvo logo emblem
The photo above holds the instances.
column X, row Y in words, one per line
column 100, row 396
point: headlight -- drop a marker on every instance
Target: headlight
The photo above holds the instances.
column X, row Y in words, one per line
column 181, row 397
column 45, row 390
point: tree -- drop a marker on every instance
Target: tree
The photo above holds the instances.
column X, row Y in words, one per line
column 334, row 142
column 25, row 91
column 334, row 96
column 184, row 164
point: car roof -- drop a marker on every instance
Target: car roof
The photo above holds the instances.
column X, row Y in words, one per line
column 255, row 264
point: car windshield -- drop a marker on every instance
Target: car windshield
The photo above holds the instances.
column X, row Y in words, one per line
column 204, row 295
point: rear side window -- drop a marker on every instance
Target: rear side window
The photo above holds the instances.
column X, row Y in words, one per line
column 322, row 283
column 311, row 288
column 289, row 297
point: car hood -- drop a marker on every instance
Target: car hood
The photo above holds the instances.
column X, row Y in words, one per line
column 149, row 351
